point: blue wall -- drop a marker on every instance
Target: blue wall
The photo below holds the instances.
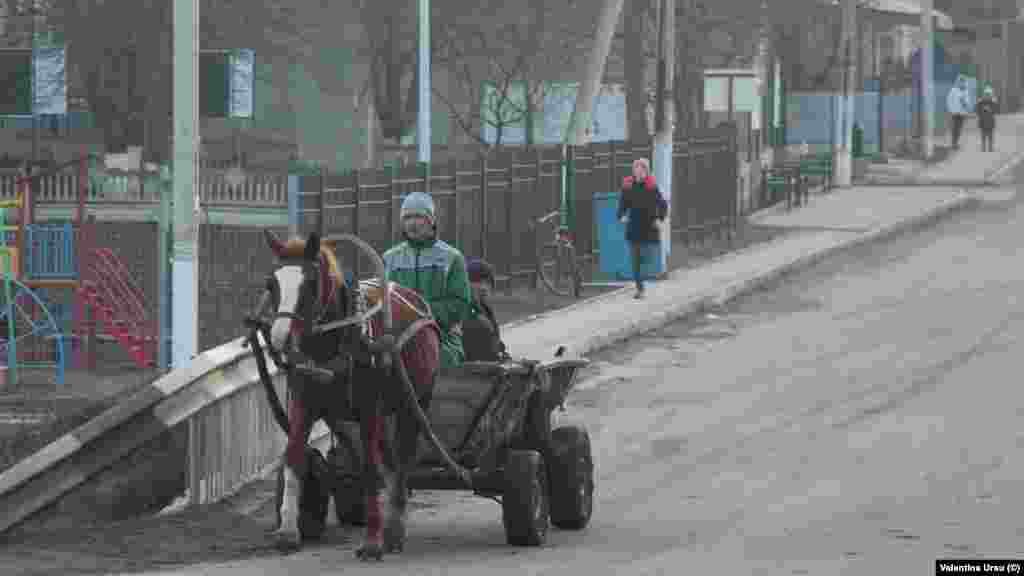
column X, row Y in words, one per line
column 811, row 118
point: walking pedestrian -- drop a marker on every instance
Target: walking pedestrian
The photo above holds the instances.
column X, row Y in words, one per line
column 987, row 109
column 959, row 107
column 640, row 208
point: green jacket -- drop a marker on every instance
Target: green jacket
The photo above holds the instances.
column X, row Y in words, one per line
column 437, row 271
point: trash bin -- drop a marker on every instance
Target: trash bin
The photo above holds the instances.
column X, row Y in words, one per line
column 615, row 258
column 858, row 141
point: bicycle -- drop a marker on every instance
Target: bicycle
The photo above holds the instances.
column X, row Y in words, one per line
column 567, row 280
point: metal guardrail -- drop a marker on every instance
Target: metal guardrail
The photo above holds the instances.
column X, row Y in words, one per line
column 232, row 435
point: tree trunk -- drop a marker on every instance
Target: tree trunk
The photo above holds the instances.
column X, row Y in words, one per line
column 636, row 70
column 154, row 90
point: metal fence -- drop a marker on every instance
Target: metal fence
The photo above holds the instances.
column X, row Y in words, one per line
column 485, row 205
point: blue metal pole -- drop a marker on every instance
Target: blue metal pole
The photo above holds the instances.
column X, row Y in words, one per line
column 423, row 140
column 186, row 140
column 164, row 221
column 663, row 139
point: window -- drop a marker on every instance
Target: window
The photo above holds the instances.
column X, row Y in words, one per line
column 16, row 70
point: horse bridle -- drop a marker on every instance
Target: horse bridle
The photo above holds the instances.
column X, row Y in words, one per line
column 314, row 311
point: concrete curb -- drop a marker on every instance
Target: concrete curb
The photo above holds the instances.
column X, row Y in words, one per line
column 925, row 183
column 723, row 295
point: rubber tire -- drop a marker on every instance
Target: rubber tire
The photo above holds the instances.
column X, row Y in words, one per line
column 524, row 505
column 349, row 500
column 571, row 470
column 313, row 500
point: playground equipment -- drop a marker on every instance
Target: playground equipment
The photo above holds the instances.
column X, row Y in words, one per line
column 61, row 276
column 21, row 311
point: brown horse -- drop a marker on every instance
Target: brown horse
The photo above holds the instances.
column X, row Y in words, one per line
column 312, row 293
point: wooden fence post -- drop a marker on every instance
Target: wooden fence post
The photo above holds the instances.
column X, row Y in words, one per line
column 734, row 177
column 355, row 226
column 453, row 168
column 392, row 196
column 483, row 207
column 322, row 203
column 510, row 180
column 613, row 165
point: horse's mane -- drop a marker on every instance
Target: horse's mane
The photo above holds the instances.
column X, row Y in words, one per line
column 296, row 248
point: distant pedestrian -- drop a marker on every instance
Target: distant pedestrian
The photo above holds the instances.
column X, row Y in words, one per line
column 959, row 107
column 987, row 109
column 641, row 206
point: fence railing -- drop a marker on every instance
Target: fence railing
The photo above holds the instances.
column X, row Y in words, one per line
column 484, row 205
column 215, row 188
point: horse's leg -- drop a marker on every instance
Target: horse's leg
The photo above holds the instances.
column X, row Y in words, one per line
column 294, row 469
column 407, row 434
column 371, row 424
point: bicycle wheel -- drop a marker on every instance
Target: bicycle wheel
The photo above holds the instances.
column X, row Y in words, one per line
column 557, row 269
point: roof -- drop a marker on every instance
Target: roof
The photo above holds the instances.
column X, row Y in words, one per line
column 908, row 12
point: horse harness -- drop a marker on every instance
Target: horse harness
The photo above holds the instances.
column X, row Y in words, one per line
column 320, row 310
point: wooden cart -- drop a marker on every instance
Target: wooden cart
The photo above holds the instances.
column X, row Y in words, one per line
column 495, row 420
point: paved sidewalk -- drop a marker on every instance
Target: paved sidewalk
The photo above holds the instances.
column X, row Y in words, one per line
column 970, row 163
column 832, row 222
column 966, row 166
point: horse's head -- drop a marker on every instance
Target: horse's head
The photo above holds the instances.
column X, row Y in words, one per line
column 305, row 290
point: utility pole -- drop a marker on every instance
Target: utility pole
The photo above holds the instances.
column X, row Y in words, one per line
column 423, row 140
column 184, row 277
column 843, row 161
column 927, row 78
column 34, row 9
column 665, row 116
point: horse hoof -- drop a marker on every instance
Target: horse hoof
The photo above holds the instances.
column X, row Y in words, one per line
column 368, row 552
column 394, row 538
column 288, row 541
column 394, row 547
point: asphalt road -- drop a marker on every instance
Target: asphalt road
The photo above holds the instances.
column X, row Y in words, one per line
column 857, row 418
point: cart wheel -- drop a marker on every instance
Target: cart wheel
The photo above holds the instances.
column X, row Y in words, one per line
column 571, row 470
column 524, row 505
column 349, row 502
column 312, row 501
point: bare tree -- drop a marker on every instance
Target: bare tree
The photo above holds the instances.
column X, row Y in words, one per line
column 637, row 47
column 122, row 72
column 503, row 59
column 390, row 27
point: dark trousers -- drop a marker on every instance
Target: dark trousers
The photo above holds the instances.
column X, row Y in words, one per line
column 958, row 126
column 987, row 138
column 640, row 251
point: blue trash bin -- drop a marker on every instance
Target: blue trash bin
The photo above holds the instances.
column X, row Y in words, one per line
column 615, row 258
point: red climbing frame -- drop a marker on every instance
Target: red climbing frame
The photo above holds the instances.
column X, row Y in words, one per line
column 102, row 282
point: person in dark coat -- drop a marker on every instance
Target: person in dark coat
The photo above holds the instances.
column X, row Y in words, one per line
column 481, row 333
column 640, row 208
column 986, row 110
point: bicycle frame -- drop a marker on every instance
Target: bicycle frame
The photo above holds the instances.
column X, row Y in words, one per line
column 565, row 250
